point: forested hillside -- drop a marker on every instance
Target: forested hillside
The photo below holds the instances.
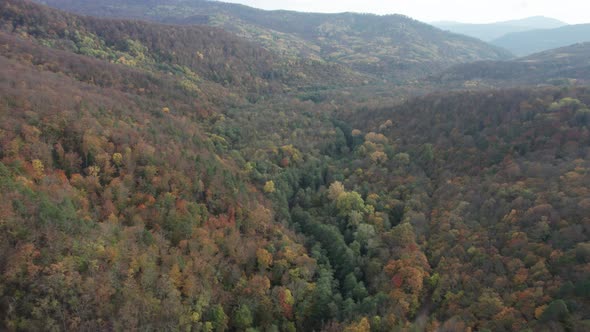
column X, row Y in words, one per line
column 195, row 53
column 392, row 47
column 492, row 188
column 567, row 65
column 118, row 212
column 165, row 178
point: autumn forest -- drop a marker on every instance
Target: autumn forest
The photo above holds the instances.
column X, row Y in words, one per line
column 201, row 166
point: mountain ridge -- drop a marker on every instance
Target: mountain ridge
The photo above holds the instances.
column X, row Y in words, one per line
column 565, row 65
column 392, row 47
column 205, row 51
column 528, row 42
column 491, row 31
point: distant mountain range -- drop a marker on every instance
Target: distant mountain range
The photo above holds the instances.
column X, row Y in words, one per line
column 393, row 47
column 528, row 42
column 491, row 31
column 567, row 65
column 523, row 37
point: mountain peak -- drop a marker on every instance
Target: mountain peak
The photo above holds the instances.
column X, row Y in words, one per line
column 537, row 22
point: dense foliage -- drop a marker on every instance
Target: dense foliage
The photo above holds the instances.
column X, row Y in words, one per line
column 563, row 66
column 392, row 47
column 196, row 54
column 157, row 193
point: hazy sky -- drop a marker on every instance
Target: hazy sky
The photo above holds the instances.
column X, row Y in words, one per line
column 472, row 11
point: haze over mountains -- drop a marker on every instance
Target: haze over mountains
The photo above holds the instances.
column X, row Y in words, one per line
column 528, row 42
column 491, row 31
column 525, row 36
column 238, row 175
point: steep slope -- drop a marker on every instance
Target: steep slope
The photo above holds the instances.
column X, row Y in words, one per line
column 491, row 31
column 528, row 42
column 121, row 209
column 392, row 47
column 195, row 52
column 118, row 215
column 566, row 65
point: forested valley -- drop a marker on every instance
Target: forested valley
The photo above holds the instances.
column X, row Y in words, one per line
column 168, row 176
